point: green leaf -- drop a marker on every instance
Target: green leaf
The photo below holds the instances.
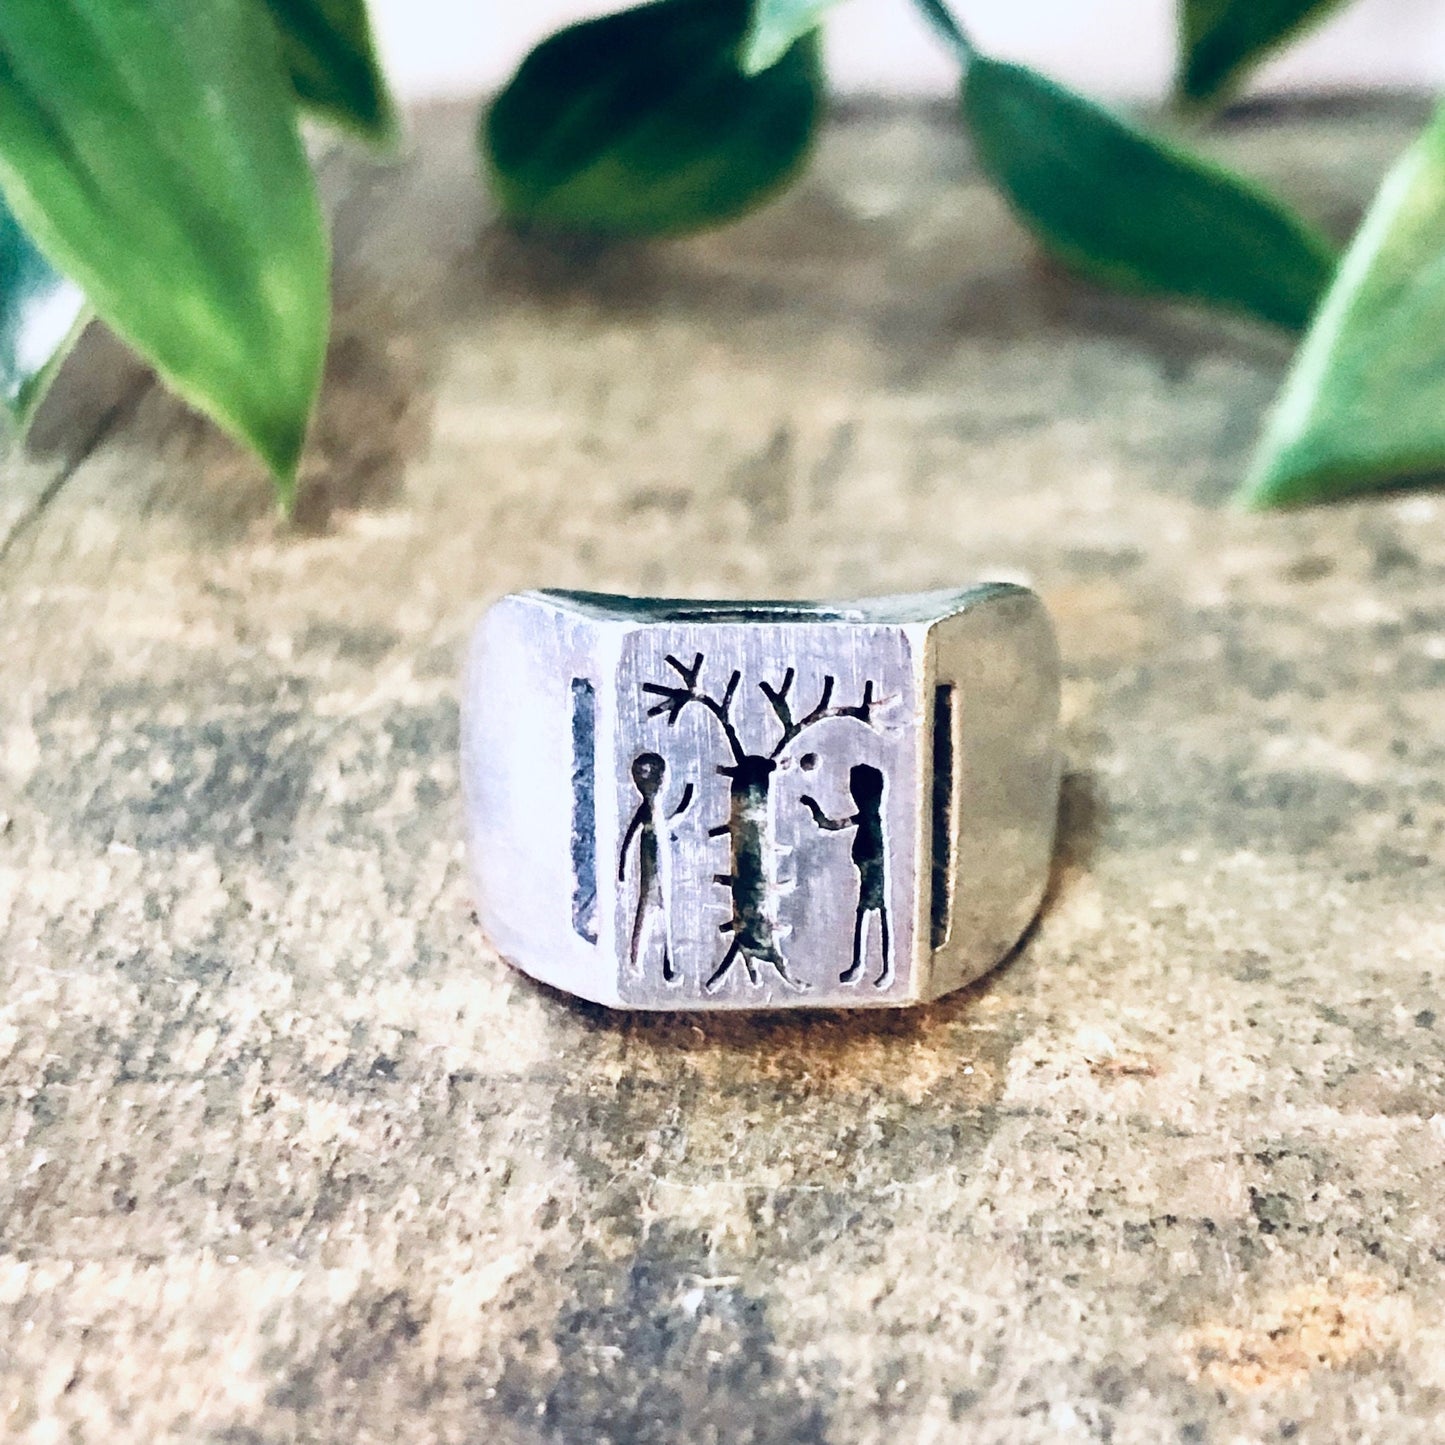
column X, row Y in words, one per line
column 1135, row 210
column 642, row 123
column 328, row 47
column 1364, row 402
column 776, row 24
column 944, row 24
column 40, row 313
column 151, row 151
column 1221, row 39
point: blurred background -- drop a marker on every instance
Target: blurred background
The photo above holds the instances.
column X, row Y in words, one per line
column 1122, row 49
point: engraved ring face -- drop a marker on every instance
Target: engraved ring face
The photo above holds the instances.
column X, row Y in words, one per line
column 708, row 805
column 768, row 808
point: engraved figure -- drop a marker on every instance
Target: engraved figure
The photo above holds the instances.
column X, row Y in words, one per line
column 650, row 828
column 748, row 829
column 865, row 783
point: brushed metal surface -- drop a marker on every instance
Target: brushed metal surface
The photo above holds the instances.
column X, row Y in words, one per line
column 702, row 805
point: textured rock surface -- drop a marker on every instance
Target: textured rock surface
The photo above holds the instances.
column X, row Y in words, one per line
column 285, row 1154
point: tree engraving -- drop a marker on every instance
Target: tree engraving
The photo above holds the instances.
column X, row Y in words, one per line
column 752, row 928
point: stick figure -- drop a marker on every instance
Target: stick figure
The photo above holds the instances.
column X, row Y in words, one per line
column 866, row 785
column 654, row 908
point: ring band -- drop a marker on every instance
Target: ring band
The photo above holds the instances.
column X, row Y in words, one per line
column 701, row 805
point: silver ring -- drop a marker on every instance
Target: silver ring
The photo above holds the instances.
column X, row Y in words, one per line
column 702, row 805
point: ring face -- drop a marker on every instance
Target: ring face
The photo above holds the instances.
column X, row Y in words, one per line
column 751, row 805
column 773, row 872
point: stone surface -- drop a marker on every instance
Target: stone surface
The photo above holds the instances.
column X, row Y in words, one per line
column 286, row 1155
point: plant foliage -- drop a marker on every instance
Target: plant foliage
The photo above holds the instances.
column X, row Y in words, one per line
column 1364, row 403
column 775, row 25
column 329, row 52
column 153, row 173
column 1220, row 40
column 1134, row 210
column 151, row 150
column 644, row 123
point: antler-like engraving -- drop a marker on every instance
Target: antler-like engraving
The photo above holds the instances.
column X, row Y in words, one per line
column 749, row 828
column 674, row 699
column 793, row 728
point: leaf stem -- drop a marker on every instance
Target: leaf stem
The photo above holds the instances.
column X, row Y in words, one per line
column 946, row 24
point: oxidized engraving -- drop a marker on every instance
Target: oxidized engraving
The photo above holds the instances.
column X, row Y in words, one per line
column 711, row 805
column 749, row 879
column 584, row 809
column 865, row 782
column 654, row 856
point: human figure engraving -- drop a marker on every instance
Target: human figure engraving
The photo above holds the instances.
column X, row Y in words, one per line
column 650, row 828
column 749, row 879
column 865, row 783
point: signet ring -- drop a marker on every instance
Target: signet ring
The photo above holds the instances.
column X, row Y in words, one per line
column 724, row 805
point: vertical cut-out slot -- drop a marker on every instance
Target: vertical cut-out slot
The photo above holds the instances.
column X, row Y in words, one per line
column 584, row 809
column 941, row 909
